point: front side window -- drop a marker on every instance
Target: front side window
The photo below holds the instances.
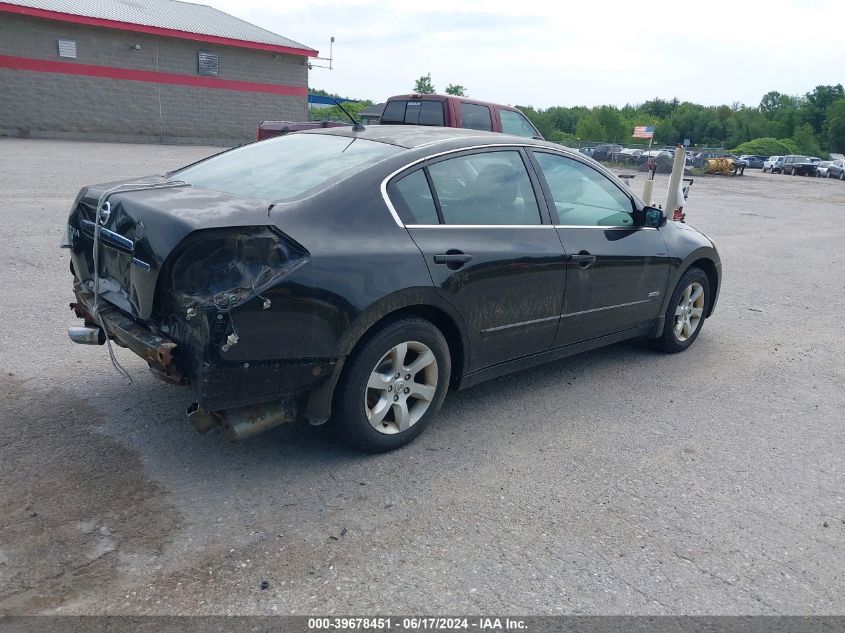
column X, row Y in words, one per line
column 516, row 124
column 286, row 167
column 485, row 188
column 582, row 195
column 476, row 117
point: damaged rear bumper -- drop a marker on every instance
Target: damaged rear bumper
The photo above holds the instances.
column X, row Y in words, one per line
column 152, row 347
column 227, row 392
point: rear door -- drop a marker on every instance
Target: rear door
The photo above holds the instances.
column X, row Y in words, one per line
column 475, row 116
column 617, row 272
column 490, row 248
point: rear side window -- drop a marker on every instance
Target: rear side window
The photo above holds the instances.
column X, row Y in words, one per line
column 485, row 188
column 424, row 112
column 516, row 124
column 476, row 117
column 416, row 197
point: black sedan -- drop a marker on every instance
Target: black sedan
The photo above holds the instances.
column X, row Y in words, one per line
column 357, row 275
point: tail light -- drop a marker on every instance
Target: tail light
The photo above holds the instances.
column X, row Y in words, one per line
column 228, row 267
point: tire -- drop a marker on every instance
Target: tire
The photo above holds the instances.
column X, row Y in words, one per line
column 842, row 175
column 374, row 362
column 671, row 340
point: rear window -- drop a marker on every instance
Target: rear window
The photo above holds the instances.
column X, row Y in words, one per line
column 394, row 112
column 419, row 112
column 285, row 167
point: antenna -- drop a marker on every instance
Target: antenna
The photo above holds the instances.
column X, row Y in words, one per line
column 329, row 59
column 356, row 125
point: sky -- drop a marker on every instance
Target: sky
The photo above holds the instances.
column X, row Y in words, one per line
column 566, row 53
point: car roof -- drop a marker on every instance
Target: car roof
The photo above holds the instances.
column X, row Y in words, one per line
column 414, row 96
column 413, row 136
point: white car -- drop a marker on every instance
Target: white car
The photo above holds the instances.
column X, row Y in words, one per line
column 770, row 162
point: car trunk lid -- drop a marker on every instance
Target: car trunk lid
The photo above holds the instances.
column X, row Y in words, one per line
column 140, row 229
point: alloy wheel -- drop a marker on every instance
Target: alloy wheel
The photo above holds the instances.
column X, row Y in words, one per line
column 401, row 387
column 689, row 311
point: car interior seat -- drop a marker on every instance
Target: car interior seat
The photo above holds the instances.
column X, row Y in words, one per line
column 490, row 198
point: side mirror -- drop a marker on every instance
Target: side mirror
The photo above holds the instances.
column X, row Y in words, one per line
column 650, row 217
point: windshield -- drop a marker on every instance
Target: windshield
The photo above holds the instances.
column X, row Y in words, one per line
column 286, row 167
column 800, row 159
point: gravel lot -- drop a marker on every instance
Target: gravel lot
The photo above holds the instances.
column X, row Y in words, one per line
column 619, row 481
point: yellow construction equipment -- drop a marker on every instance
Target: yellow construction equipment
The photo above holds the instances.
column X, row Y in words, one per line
column 724, row 166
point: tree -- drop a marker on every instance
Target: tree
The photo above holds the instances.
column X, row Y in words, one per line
column 806, row 140
column 424, row 86
column 836, row 126
column 771, row 102
column 590, row 129
column 817, row 102
column 456, row 89
column 615, row 129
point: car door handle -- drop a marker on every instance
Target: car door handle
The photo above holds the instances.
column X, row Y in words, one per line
column 452, row 258
column 583, row 259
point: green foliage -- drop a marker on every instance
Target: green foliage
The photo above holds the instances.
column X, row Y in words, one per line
column 424, row 86
column 814, row 108
column 333, row 113
column 806, row 141
column 767, row 146
column 835, row 127
column 456, row 89
column 788, row 124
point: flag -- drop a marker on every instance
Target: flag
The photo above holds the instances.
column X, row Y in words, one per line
column 644, row 131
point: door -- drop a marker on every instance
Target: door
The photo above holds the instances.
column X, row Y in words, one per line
column 489, row 250
column 616, row 272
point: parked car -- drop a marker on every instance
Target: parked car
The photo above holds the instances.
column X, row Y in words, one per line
column 462, row 112
column 632, row 156
column 361, row 274
column 822, row 167
column 796, row 165
column 753, row 162
column 836, row 169
column 606, row 151
column 774, row 164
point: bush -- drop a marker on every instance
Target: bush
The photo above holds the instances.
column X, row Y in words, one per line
column 766, row 146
